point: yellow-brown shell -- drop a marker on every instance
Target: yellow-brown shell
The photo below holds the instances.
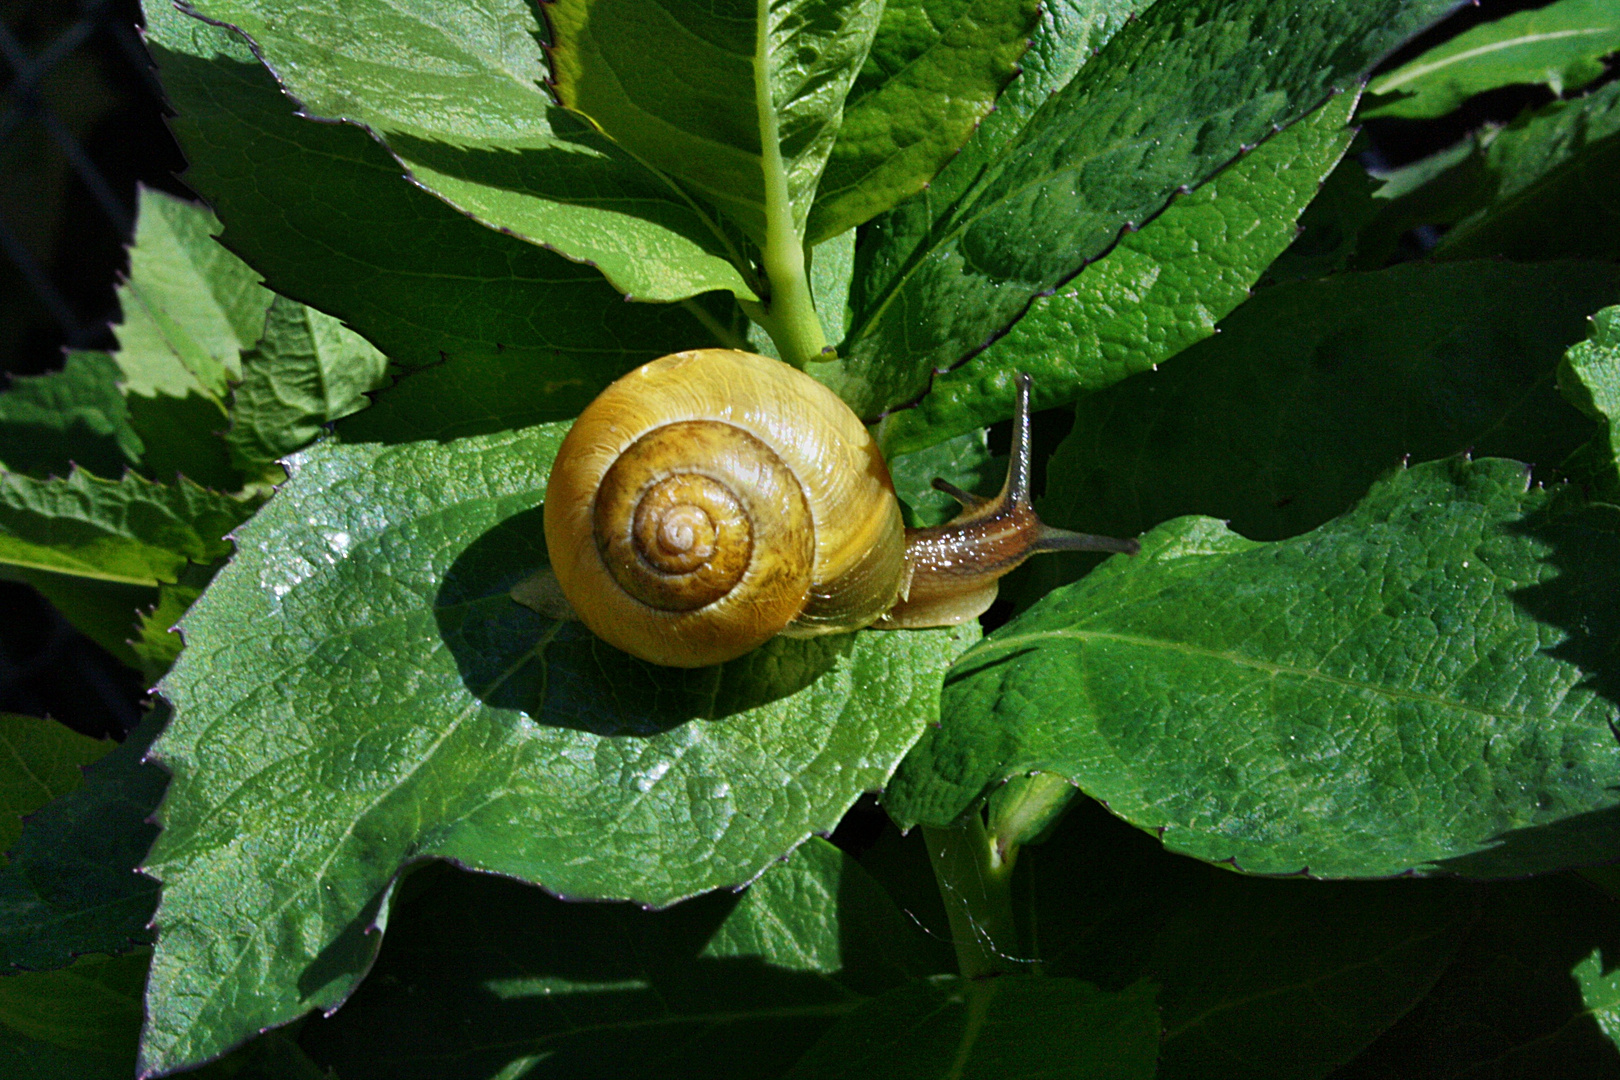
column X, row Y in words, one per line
column 712, row 499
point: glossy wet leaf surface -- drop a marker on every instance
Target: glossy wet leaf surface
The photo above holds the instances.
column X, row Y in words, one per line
column 465, row 726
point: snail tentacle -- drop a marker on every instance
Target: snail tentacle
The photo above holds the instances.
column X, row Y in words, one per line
column 955, row 567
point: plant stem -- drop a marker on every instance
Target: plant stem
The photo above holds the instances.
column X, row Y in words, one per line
column 788, row 314
column 976, row 886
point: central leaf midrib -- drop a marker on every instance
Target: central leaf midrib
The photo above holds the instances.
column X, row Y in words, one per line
column 1482, row 50
column 1270, row 667
column 1007, row 154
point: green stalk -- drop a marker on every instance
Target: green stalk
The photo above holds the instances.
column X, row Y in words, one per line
column 788, row 314
column 976, row 885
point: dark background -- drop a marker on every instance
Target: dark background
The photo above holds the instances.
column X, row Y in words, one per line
column 82, row 123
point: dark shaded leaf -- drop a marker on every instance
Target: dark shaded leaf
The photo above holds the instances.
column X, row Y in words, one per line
column 1258, row 978
column 76, row 416
column 1015, row 1027
column 1530, row 995
column 40, row 760
column 481, row 975
column 80, row 1023
column 71, row 886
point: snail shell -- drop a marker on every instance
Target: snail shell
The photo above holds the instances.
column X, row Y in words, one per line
column 713, row 499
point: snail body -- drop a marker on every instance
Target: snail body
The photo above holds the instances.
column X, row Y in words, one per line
column 713, row 499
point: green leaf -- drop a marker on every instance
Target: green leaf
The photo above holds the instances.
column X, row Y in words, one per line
column 964, row 461
column 1560, row 46
column 1313, row 390
column 934, row 71
column 80, row 1023
column 1171, row 99
column 458, row 94
column 1331, row 226
column 470, row 979
column 1016, row 1027
column 1525, row 997
column 49, row 423
column 1425, row 682
column 1546, row 189
column 322, row 211
column 156, row 643
column 307, row 371
column 1600, row 993
column 71, row 887
column 190, row 307
column 361, row 669
column 103, row 611
column 130, row 531
column 1239, row 959
column 40, row 760
column 739, row 104
column 1589, row 377
column 1159, row 291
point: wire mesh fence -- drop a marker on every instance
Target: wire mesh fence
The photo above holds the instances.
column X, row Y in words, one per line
column 81, row 123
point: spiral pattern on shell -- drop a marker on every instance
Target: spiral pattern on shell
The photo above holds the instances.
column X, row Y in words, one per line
column 712, row 499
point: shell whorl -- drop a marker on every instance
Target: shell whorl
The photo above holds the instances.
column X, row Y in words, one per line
column 712, row 499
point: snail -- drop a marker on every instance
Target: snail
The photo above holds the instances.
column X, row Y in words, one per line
column 712, row 499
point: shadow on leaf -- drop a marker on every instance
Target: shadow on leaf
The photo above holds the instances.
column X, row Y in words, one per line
column 561, row 675
column 1582, row 601
column 580, row 169
column 481, row 976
